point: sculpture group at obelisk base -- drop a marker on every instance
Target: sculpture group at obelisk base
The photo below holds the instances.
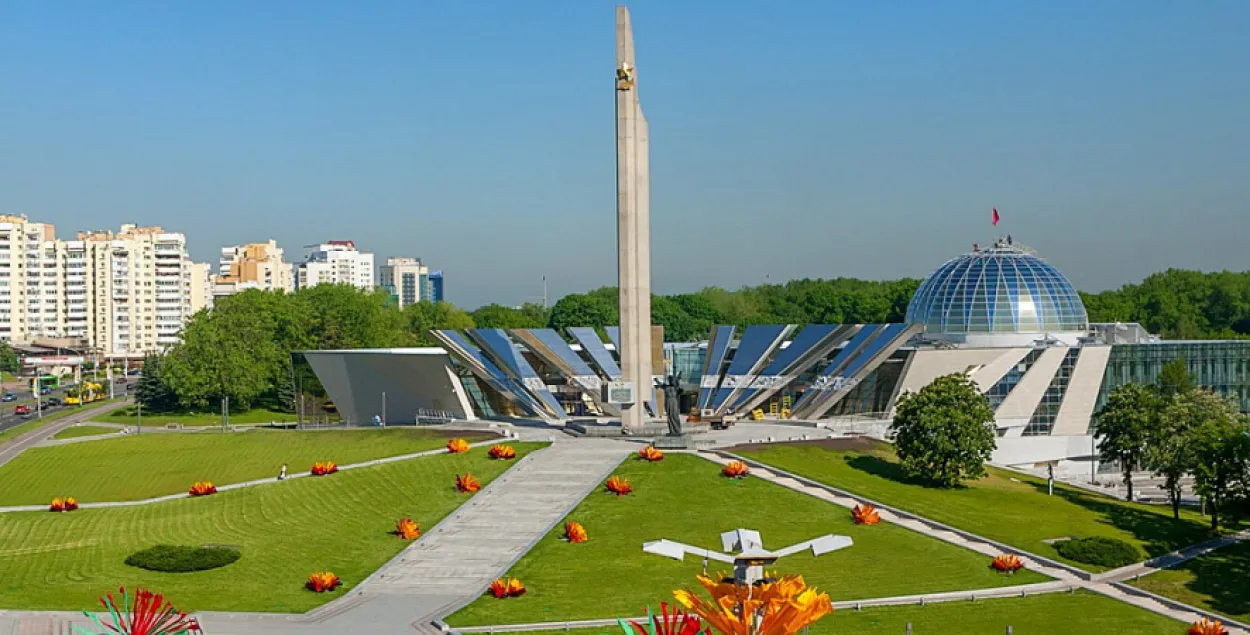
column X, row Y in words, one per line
column 633, row 228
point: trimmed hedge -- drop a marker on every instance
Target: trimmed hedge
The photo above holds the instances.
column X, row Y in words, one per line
column 182, row 559
column 1099, row 551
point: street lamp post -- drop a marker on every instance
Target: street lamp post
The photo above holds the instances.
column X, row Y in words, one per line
column 139, row 418
column 383, row 409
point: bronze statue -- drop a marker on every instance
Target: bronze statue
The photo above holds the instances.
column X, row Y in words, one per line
column 672, row 405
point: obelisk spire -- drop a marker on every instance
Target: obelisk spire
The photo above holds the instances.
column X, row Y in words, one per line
column 633, row 226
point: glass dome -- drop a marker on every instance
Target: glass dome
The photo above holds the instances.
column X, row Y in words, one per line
column 1004, row 289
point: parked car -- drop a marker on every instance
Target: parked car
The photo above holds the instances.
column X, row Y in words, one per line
column 45, row 391
column 21, row 409
column 120, row 380
column 133, row 372
column 52, row 402
column 8, row 396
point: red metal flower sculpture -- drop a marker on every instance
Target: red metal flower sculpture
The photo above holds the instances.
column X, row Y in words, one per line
column 145, row 613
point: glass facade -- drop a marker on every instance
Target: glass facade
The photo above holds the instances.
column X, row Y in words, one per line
column 1221, row 366
column 1003, row 387
column 999, row 290
column 1043, row 419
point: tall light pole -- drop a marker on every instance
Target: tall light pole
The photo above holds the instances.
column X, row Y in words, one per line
column 384, row 409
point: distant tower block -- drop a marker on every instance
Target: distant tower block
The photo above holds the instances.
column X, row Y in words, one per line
column 633, row 226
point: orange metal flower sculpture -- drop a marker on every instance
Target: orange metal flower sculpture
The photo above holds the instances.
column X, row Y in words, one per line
column 467, row 483
column 203, row 488
column 574, row 532
column 323, row 582
column 507, row 588
column 782, row 607
column 67, row 504
column 322, row 468
column 736, row 469
column 1207, row 627
column 1007, row 563
column 456, row 446
column 408, row 529
column 865, row 514
column 502, row 452
column 651, row 454
column 618, row 486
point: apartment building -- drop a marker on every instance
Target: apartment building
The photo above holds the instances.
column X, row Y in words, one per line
column 202, row 286
column 335, row 262
column 409, row 281
column 122, row 294
column 253, row 266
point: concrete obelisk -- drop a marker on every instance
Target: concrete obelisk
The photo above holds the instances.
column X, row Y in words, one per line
column 633, row 226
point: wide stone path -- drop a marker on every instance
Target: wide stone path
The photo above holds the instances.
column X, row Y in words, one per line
column 455, row 562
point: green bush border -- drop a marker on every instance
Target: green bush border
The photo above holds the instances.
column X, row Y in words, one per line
column 182, row 558
column 1099, row 551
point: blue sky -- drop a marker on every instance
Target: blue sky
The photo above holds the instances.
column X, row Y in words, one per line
column 789, row 139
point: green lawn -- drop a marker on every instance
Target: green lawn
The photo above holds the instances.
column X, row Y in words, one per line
column 1080, row 613
column 142, row 466
column 85, row 430
column 17, row 431
column 129, row 415
column 1005, row 506
column 1218, row 582
column 684, row 498
column 284, row 530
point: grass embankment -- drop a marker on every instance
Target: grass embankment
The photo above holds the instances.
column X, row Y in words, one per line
column 684, row 498
column 285, row 531
column 85, row 430
column 1218, row 582
column 137, row 467
column 35, row 422
column 1080, row 613
column 130, row 416
column 1005, row 506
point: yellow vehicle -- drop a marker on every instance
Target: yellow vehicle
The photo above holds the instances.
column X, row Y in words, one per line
column 86, row 393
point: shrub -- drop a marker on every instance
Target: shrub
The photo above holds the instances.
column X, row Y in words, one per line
column 181, row 558
column 1099, row 551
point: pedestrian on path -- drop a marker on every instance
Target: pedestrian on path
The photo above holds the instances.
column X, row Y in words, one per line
column 282, row 474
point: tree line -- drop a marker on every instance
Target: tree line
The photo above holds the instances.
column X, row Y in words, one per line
column 1176, row 430
column 240, row 349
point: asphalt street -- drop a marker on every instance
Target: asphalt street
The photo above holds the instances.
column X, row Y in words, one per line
column 10, row 420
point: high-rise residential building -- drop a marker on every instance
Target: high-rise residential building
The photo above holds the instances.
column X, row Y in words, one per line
column 335, row 262
column 253, row 266
column 201, row 286
column 120, row 294
column 408, row 281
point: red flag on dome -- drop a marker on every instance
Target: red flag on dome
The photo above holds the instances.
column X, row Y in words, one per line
column 995, row 221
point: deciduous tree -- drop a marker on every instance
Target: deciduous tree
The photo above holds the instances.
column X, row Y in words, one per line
column 1124, row 428
column 944, row 433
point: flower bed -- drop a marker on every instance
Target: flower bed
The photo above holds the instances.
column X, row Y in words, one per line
column 507, row 588
column 1007, row 563
column 574, row 532
column 144, row 613
column 202, row 488
column 650, row 454
column 323, row 582
column 502, row 452
column 618, row 485
column 408, row 529
column 457, row 446
column 865, row 514
column 324, row 468
column 67, row 504
column 467, row 483
column 736, row 469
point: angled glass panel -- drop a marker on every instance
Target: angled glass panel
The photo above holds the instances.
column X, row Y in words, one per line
column 756, row 343
column 717, row 349
column 804, row 351
column 599, row 355
column 614, row 336
column 831, row 388
column 496, row 344
column 847, row 353
column 477, row 363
